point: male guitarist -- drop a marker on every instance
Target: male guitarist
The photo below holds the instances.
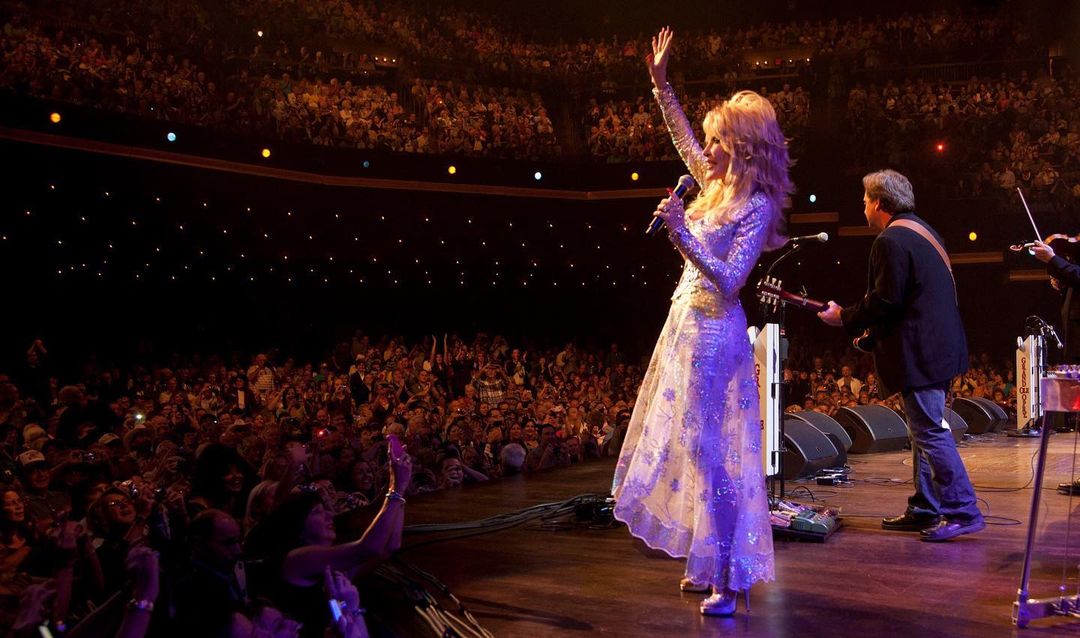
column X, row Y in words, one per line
column 910, row 308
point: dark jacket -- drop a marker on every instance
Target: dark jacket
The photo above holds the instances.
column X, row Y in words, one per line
column 910, row 307
column 1069, row 276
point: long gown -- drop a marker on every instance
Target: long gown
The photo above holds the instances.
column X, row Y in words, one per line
column 690, row 477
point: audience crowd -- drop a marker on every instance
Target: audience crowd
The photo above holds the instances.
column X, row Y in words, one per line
column 138, row 77
column 625, row 130
column 495, row 47
column 199, row 458
column 824, row 383
column 206, row 489
column 483, row 121
column 999, row 133
column 115, row 57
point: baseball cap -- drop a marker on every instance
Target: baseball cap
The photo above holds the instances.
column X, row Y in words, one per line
column 30, row 457
column 109, row 438
column 33, row 431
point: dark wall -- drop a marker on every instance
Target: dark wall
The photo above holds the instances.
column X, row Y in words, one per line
column 191, row 288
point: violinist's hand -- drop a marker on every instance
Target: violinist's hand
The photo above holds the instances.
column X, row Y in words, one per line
column 1042, row 252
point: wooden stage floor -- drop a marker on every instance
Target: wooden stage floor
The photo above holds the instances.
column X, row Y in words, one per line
column 863, row 581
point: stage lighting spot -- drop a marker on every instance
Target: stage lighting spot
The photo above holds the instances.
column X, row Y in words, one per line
column 813, row 198
column 452, row 170
column 634, row 177
column 54, row 118
column 973, row 236
column 537, row 175
column 259, row 33
column 940, row 147
column 266, row 152
column 171, row 136
column 366, row 164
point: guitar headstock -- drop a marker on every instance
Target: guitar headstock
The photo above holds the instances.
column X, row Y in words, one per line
column 769, row 289
column 771, row 292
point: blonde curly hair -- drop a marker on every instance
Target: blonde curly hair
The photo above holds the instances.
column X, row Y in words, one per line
column 746, row 128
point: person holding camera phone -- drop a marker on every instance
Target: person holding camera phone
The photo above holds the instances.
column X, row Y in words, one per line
column 689, row 479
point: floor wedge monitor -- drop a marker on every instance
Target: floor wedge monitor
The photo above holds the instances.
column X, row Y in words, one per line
column 873, row 428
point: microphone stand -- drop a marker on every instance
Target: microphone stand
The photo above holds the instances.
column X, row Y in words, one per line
column 779, row 308
column 774, row 313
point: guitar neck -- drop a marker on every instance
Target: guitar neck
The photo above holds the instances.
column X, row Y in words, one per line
column 800, row 301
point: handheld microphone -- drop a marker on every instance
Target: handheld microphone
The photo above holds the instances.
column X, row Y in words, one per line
column 820, row 238
column 682, row 188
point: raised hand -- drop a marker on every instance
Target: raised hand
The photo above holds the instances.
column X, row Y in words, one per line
column 657, row 61
column 142, row 565
column 400, row 473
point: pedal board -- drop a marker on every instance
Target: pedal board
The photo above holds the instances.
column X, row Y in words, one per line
column 798, row 521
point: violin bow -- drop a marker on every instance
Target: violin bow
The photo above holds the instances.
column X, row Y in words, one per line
column 1038, row 235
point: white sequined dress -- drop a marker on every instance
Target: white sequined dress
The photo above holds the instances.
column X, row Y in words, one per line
column 690, row 479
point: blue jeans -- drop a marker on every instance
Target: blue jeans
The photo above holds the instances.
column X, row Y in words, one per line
column 942, row 487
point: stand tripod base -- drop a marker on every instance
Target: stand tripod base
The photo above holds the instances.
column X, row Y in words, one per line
column 1026, row 610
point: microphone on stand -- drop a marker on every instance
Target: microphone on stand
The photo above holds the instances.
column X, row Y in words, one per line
column 682, row 188
column 1046, row 330
column 820, row 238
column 1050, row 332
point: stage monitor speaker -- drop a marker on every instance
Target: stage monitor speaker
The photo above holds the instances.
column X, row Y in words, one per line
column 1000, row 416
column 826, row 424
column 873, row 428
column 807, row 450
column 957, row 425
column 979, row 417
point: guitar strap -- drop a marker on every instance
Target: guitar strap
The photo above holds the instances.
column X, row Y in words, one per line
column 925, row 234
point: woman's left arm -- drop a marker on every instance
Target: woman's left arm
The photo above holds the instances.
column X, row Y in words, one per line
column 729, row 274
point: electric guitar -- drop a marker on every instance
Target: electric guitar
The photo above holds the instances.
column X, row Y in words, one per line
column 771, row 292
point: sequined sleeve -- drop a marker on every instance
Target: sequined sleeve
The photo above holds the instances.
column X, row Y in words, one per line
column 682, row 136
column 729, row 274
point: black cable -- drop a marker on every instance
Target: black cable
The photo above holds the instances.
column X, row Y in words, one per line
column 1000, row 489
column 442, row 622
column 882, row 481
column 501, row 522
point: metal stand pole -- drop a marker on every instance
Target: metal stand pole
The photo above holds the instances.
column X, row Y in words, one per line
column 1027, row 609
column 1021, row 613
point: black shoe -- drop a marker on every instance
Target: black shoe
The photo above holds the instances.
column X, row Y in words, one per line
column 947, row 529
column 909, row 522
column 1070, row 488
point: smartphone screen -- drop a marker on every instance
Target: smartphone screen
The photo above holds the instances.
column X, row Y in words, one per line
column 335, row 610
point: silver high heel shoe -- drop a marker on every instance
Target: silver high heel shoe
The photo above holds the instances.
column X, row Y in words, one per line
column 691, row 586
column 724, row 603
